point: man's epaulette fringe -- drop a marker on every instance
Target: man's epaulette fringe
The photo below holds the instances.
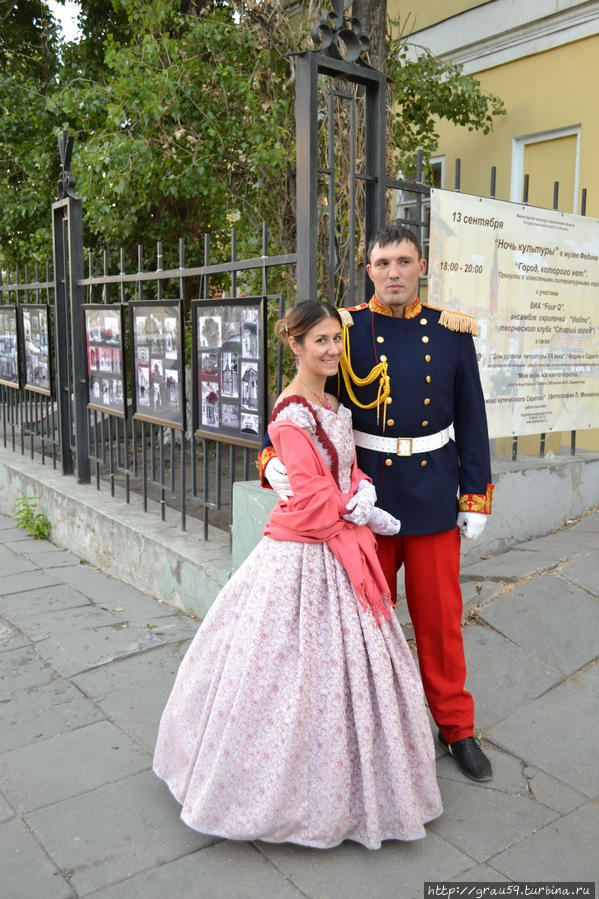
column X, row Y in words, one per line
column 456, row 321
column 346, row 317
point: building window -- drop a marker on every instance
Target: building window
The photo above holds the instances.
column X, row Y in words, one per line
column 547, row 157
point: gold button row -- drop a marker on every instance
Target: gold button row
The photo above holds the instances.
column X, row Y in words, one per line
column 389, row 462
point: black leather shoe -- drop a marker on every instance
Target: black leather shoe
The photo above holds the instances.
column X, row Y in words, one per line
column 469, row 758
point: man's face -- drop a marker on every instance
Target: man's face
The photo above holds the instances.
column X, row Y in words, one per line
column 394, row 270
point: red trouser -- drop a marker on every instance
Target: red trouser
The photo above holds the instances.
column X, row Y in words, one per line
column 432, row 570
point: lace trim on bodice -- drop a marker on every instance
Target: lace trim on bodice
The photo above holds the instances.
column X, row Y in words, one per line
column 319, row 432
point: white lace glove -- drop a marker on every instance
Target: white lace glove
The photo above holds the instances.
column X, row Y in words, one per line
column 361, row 504
column 471, row 524
column 276, row 475
column 383, row 523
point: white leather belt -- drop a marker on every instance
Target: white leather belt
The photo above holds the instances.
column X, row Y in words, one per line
column 404, row 446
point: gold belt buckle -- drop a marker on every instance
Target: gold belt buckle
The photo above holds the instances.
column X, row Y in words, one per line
column 404, row 446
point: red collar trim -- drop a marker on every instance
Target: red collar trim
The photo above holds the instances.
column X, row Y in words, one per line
column 412, row 310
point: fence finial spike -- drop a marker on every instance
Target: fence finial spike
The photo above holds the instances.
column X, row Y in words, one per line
column 66, row 181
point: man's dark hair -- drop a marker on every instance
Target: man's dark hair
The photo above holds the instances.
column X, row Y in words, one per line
column 393, row 234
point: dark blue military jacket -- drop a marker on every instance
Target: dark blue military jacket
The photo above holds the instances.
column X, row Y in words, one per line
column 434, row 382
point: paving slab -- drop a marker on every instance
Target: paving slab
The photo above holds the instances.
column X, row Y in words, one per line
column 133, row 692
column 27, row 872
column 584, row 571
column 63, row 621
column 98, row 586
column 115, row 832
column 55, row 708
column 6, row 810
column 21, row 669
column 480, row 874
column 11, row 637
column 558, row 734
column 589, row 677
column 511, row 566
column 563, row 543
column 482, row 823
column 588, row 523
column 397, row 869
column 17, row 537
column 139, row 609
column 565, row 849
column 11, row 563
column 68, row 764
column 228, row 870
column 556, row 795
column 28, row 580
column 84, row 648
column 501, row 675
column 49, row 599
column 533, row 616
column 49, row 556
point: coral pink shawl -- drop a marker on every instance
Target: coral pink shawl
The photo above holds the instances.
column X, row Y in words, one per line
column 313, row 515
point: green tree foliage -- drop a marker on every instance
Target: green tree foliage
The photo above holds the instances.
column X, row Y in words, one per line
column 183, row 117
column 28, row 158
column 426, row 90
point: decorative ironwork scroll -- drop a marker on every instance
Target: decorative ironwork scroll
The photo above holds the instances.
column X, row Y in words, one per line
column 338, row 35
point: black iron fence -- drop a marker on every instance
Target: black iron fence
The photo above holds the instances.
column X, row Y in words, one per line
column 143, row 460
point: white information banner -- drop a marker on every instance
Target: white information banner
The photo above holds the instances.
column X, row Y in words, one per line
column 530, row 277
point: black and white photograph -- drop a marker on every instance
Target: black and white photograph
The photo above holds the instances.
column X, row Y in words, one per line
column 9, row 347
column 230, row 416
column 249, row 385
column 229, row 356
column 232, row 329
column 104, row 335
column 209, row 331
column 35, row 323
column 249, row 423
column 230, row 374
column 210, row 404
column 208, row 365
column 157, row 353
column 249, row 334
column 143, row 385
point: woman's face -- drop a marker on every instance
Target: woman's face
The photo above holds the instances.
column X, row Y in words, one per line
column 321, row 349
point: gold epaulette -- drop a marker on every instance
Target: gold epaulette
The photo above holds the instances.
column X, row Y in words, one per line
column 346, row 317
column 456, row 321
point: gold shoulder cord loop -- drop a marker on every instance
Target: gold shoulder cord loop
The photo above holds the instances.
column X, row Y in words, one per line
column 379, row 371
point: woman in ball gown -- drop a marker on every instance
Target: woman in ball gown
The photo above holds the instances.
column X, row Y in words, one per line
column 297, row 713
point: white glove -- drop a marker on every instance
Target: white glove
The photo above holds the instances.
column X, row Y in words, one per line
column 276, row 475
column 383, row 523
column 360, row 505
column 471, row 524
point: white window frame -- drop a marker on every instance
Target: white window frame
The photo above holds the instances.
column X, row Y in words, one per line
column 520, row 143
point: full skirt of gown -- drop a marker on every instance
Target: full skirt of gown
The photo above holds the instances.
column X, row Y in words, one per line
column 294, row 716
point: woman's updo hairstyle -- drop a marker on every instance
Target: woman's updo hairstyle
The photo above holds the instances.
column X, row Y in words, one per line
column 304, row 315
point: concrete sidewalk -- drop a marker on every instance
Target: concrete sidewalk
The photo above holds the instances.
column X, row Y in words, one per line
column 86, row 665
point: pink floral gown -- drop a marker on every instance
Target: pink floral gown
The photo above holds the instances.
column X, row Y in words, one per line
column 294, row 715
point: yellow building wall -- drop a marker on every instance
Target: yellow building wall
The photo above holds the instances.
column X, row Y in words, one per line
column 544, row 92
column 423, row 15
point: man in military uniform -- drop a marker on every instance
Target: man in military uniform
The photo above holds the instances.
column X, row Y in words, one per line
column 410, row 377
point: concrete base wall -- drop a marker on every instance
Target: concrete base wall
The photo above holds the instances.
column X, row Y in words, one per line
column 532, row 497
column 135, row 546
